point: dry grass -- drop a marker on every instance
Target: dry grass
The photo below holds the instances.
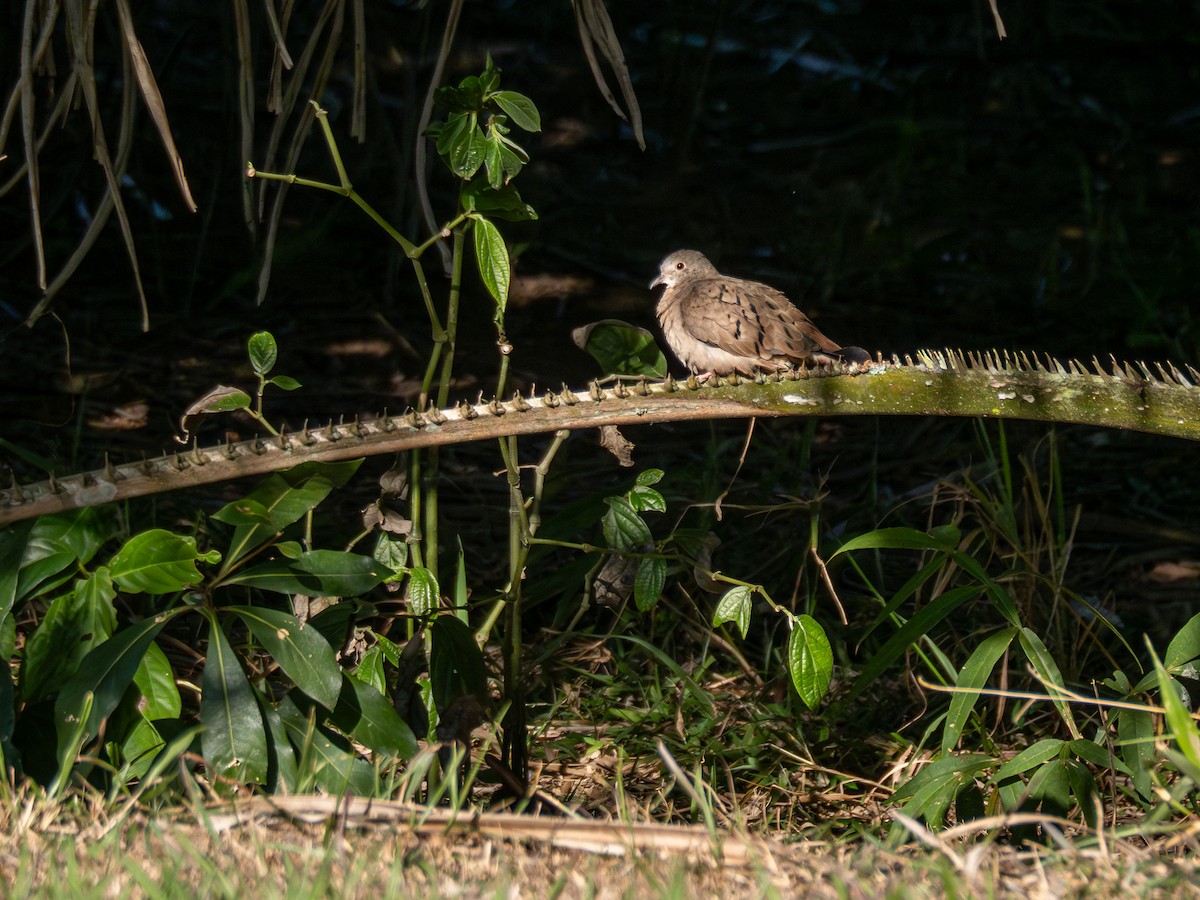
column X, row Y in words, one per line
column 306, row 846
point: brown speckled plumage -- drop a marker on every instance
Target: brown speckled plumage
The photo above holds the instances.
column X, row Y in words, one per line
column 720, row 324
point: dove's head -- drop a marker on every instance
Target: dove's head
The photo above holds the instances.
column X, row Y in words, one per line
column 682, row 265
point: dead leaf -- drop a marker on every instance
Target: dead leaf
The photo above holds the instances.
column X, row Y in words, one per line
column 615, row 443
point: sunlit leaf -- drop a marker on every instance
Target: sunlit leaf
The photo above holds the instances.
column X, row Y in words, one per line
column 810, row 660
column 234, row 741
column 492, row 256
column 159, row 562
column 735, row 606
column 300, row 650
column 621, row 348
column 263, row 352
column 519, row 108
column 369, row 718
column 422, row 593
column 624, row 529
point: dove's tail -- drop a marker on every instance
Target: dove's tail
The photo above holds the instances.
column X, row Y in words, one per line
column 851, row 355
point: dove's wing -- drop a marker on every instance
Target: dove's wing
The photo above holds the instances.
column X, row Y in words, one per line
column 749, row 319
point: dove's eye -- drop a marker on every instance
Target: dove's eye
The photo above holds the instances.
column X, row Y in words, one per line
column 679, row 266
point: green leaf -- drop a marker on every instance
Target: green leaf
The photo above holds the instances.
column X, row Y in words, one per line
column 621, row 348
column 1182, row 727
column 336, row 769
column 623, row 528
column 283, row 777
column 391, row 552
column 301, row 651
column 234, row 742
column 1047, row 669
column 156, row 681
column 735, row 607
column 1051, row 787
column 1135, row 740
column 455, row 662
column 80, row 531
column 467, row 151
column 648, row 582
column 368, row 717
column 137, row 750
column 894, row 539
column 73, row 625
column 263, row 352
column 810, row 660
column 930, row 792
column 422, row 592
column 100, row 681
column 492, row 256
column 647, row 498
column 158, row 562
column 318, row 573
column 222, row 398
column 1029, row 758
column 285, row 382
column 12, row 551
column 285, row 497
column 648, row 477
column 1185, row 646
column 479, row 196
column 519, row 108
column 971, row 678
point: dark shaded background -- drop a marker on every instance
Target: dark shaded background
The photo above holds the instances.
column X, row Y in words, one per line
column 905, row 176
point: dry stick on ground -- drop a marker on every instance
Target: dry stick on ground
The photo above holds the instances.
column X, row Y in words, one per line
column 1165, row 400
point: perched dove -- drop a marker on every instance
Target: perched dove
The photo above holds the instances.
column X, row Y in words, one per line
column 715, row 323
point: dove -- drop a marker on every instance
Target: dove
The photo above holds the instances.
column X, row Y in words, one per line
column 720, row 324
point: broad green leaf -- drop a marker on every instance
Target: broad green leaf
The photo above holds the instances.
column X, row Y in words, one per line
column 47, row 572
column 368, row 717
column 735, row 607
column 12, row 551
column 370, row 668
column 391, row 552
column 318, row 573
column 73, row 625
column 455, row 662
column 930, row 792
column 80, row 531
column 421, row 592
column 519, row 108
column 1051, row 787
column 505, row 202
column 1032, row 756
column 138, row 750
column 648, row 477
column 1182, row 727
column 647, row 498
column 100, row 681
column 467, row 150
column 1047, row 669
column 624, row 529
column 263, row 352
column 493, row 161
column 1185, row 646
column 155, row 679
column 286, row 497
column 453, row 132
column 648, row 582
column 1135, row 734
column 336, row 769
column 158, row 562
column 301, row 651
column 282, row 774
column 621, row 348
column 492, row 256
column 1083, row 788
column 1096, row 755
column 222, row 398
column 285, row 383
column 973, row 676
column 810, row 660
column 916, row 627
column 234, row 742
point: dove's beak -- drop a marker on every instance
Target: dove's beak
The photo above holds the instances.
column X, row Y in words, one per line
column 658, row 279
